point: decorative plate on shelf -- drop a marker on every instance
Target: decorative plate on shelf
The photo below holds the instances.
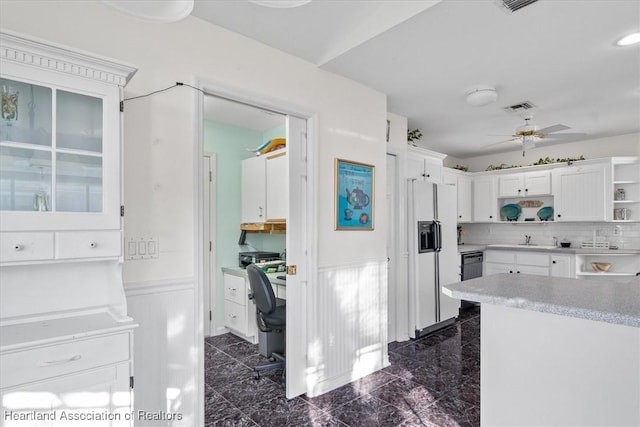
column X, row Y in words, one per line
column 511, row 212
column 545, row 213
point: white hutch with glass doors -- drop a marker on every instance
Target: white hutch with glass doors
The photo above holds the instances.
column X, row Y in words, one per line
column 66, row 342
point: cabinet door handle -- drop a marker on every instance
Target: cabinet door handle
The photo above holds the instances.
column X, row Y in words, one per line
column 17, row 247
column 559, row 215
column 553, row 262
column 519, row 190
column 93, row 245
column 518, row 272
column 510, row 271
column 61, row 361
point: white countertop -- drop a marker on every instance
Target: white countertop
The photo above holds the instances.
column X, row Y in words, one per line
column 464, row 248
column 73, row 326
column 555, row 250
column 242, row 272
column 593, row 299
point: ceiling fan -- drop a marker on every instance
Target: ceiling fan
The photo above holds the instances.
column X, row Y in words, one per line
column 528, row 134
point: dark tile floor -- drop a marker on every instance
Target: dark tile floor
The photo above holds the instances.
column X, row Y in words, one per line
column 432, row 381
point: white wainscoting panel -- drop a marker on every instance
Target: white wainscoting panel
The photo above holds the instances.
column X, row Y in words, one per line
column 165, row 350
column 347, row 324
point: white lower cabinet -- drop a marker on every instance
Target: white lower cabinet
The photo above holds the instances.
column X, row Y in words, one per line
column 239, row 311
column 66, row 380
column 561, row 266
column 516, row 263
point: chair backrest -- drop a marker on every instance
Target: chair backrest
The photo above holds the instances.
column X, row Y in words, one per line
column 261, row 289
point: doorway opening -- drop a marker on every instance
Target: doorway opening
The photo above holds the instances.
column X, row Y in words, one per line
column 231, row 131
column 226, row 121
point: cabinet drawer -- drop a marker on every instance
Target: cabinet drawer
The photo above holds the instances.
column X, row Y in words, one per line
column 235, row 317
column 529, row 258
column 87, row 244
column 26, row 246
column 40, row 363
column 235, row 289
column 503, row 257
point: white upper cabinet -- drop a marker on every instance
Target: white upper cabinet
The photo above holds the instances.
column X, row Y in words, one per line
column 463, row 187
column 485, row 190
column 579, row 192
column 59, row 138
column 525, row 184
column 626, row 189
column 464, row 199
column 277, row 179
column 253, row 197
column 424, row 165
column 265, row 180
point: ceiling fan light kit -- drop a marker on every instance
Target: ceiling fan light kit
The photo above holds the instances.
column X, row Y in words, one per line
column 280, row 4
column 482, row 97
column 162, row 11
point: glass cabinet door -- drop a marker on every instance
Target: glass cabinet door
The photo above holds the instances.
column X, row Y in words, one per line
column 51, row 149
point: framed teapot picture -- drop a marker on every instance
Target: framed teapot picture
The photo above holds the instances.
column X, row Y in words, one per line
column 353, row 195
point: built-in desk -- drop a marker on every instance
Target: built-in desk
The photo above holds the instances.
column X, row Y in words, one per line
column 557, row 351
column 239, row 311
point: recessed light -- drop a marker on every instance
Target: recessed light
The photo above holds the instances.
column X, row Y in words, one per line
column 629, row 39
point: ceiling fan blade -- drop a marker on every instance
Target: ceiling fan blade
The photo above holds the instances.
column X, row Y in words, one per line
column 555, row 128
column 503, row 142
column 564, row 136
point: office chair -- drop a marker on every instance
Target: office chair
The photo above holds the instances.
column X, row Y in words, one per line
column 270, row 317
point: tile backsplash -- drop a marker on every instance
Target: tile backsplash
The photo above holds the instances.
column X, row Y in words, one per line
column 622, row 235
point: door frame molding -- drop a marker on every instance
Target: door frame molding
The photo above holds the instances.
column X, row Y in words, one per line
column 402, row 327
column 268, row 103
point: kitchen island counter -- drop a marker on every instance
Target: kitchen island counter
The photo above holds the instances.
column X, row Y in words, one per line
column 594, row 299
column 557, row 351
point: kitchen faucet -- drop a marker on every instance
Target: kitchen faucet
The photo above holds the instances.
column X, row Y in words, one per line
column 527, row 239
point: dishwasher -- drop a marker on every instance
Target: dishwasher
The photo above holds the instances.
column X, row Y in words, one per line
column 471, row 268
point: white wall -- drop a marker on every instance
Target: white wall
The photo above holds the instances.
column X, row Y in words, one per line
column 160, row 135
column 623, row 145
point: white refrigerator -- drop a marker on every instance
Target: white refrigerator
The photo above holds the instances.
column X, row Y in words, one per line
column 433, row 255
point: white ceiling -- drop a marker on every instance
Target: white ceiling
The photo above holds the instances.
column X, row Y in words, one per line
column 427, row 55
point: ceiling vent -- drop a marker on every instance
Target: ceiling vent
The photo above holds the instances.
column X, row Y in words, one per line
column 513, row 5
column 517, row 108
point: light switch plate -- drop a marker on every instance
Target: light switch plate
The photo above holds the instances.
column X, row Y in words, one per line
column 141, row 248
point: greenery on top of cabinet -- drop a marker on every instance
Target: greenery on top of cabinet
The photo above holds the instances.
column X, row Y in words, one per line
column 541, row 161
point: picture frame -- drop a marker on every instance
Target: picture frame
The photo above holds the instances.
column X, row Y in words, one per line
column 354, row 195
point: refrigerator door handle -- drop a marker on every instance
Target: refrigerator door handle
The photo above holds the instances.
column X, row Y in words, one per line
column 438, row 236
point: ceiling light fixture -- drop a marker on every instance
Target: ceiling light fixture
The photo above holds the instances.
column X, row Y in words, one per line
column 629, row 39
column 280, row 4
column 482, row 96
column 154, row 10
